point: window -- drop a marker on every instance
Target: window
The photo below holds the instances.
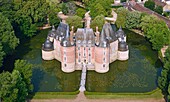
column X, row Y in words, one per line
column 64, row 58
column 103, row 65
column 104, row 59
column 79, row 54
column 89, row 54
column 104, row 53
column 78, row 48
column 65, row 65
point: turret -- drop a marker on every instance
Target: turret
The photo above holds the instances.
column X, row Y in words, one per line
column 120, row 34
column 52, row 34
column 67, row 53
column 47, row 50
column 123, row 51
column 102, row 54
column 111, row 36
column 60, row 32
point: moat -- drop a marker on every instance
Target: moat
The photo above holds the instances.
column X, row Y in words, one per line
column 138, row 74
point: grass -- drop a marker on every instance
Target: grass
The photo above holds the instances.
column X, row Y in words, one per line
column 156, row 94
column 55, row 95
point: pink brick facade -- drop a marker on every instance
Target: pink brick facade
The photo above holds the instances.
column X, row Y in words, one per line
column 47, row 55
column 101, row 59
column 68, row 58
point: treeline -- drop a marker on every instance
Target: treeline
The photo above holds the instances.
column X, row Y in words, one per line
column 16, row 86
column 20, row 19
column 154, row 29
column 157, row 32
column 164, row 78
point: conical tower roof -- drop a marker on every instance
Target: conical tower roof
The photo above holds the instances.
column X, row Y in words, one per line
column 48, row 45
column 52, row 33
column 120, row 33
column 103, row 41
column 110, row 34
column 66, row 40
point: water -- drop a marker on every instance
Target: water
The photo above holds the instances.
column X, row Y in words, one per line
column 138, row 74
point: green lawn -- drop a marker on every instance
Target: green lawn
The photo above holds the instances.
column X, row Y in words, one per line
column 55, row 95
column 156, row 94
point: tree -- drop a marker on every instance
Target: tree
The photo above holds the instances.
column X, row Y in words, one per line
column 121, row 17
column 13, row 88
column 80, row 12
column 26, row 73
column 53, row 19
column 31, row 15
column 159, row 9
column 98, row 21
column 151, row 26
column 64, row 8
column 71, row 8
column 97, row 10
column 133, row 20
column 74, row 21
column 5, row 84
column 7, row 37
column 7, row 9
column 150, row 4
column 2, row 54
column 163, row 80
column 106, row 4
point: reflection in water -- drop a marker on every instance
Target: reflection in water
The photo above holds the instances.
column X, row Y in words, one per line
column 138, row 74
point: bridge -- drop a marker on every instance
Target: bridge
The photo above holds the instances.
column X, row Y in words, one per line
column 83, row 78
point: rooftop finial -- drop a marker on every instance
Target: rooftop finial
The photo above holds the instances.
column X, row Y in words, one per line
column 120, row 29
column 87, row 19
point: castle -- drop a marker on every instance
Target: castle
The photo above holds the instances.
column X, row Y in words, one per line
column 96, row 50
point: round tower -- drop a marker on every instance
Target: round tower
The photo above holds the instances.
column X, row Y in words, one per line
column 57, row 45
column 123, row 51
column 67, row 54
column 57, row 48
column 113, row 41
column 102, row 54
column 47, row 50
